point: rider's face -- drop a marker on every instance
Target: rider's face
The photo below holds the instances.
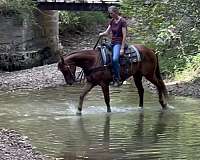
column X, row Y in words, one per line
column 112, row 15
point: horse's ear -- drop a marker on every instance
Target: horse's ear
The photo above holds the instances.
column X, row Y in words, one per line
column 154, row 51
column 62, row 59
column 61, row 53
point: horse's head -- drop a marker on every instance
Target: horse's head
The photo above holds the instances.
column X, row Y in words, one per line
column 68, row 70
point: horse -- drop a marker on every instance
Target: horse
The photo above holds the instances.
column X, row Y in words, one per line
column 97, row 74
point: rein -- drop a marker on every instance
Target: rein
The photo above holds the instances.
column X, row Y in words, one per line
column 71, row 74
column 97, row 42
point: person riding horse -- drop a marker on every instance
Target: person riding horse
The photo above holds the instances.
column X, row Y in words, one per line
column 90, row 60
column 118, row 27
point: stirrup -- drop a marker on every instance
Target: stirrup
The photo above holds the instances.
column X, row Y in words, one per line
column 117, row 83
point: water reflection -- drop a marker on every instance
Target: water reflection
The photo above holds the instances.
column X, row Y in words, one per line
column 147, row 136
column 87, row 149
column 143, row 144
column 139, row 130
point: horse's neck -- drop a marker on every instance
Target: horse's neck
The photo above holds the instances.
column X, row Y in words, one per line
column 85, row 59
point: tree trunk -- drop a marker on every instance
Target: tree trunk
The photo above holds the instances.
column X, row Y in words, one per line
column 48, row 22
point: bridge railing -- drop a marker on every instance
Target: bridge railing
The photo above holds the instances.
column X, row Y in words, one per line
column 76, row 5
column 81, row 1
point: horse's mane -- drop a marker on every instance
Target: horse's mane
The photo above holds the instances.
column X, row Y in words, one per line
column 72, row 53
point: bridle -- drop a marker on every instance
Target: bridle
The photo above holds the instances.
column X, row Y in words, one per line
column 71, row 74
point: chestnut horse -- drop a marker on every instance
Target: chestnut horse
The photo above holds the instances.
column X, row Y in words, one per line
column 97, row 74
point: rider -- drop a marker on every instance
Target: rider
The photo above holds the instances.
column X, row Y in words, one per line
column 118, row 28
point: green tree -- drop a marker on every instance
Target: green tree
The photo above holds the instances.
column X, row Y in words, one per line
column 172, row 27
column 22, row 8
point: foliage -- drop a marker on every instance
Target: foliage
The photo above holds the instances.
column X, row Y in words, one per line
column 172, row 27
column 192, row 69
column 80, row 20
column 23, row 9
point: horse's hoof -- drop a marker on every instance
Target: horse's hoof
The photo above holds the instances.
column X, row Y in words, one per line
column 78, row 113
column 141, row 109
column 165, row 107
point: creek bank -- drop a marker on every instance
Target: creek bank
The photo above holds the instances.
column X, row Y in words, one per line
column 13, row 146
column 178, row 88
column 35, row 78
column 49, row 76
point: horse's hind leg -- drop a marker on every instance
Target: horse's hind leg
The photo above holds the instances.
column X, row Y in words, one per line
column 88, row 86
column 138, row 83
column 105, row 89
column 159, row 85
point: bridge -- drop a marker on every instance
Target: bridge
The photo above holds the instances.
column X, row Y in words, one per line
column 76, row 5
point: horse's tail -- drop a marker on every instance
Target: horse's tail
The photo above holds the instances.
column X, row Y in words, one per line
column 158, row 74
column 159, row 77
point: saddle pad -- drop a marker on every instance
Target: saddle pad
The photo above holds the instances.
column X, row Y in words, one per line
column 131, row 55
column 105, row 55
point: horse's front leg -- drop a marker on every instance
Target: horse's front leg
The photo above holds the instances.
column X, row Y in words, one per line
column 88, row 86
column 105, row 89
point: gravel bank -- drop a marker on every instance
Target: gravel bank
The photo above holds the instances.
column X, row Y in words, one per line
column 50, row 76
column 35, row 78
column 179, row 88
column 13, row 146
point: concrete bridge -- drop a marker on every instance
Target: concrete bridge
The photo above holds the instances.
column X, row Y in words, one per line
column 76, row 5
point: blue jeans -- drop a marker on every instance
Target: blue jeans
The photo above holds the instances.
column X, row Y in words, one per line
column 115, row 60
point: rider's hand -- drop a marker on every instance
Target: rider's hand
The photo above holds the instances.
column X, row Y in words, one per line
column 122, row 51
column 101, row 34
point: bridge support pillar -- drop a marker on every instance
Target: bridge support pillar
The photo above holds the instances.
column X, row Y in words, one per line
column 48, row 21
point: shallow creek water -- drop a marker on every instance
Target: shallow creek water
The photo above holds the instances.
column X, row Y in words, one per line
column 48, row 118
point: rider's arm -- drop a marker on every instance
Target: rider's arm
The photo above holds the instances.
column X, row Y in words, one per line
column 106, row 32
column 124, row 32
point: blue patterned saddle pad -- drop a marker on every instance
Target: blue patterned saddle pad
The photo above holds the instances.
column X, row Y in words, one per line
column 131, row 55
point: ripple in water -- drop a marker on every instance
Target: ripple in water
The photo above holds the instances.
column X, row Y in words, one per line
column 72, row 108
